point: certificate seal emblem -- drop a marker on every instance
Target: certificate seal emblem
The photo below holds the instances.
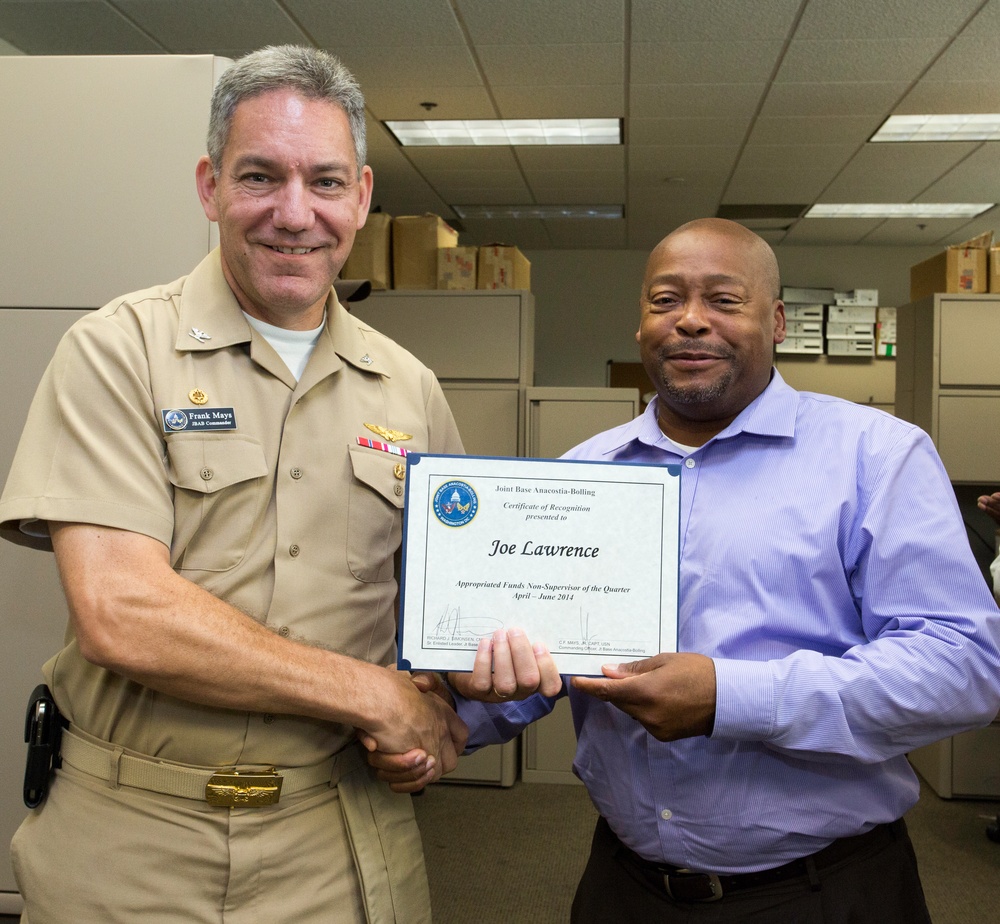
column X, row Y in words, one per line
column 455, row 503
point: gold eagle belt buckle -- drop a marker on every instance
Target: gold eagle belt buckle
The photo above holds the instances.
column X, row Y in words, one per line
column 236, row 788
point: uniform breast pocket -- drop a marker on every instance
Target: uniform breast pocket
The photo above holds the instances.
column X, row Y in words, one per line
column 220, row 494
column 374, row 513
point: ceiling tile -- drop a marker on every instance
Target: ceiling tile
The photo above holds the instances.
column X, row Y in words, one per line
column 599, row 233
column 800, row 130
column 811, row 61
column 698, row 62
column 560, row 102
column 900, row 231
column 708, row 20
column 946, row 96
column 848, row 19
column 551, row 22
column 709, row 130
column 894, row 172
column 72, row 27
column 377, row 24
column 442, row 65
column 552, row 65
column 577, row 187
column 974, row 179
column 800, row 100
column 404, row 102
column 831, row 230
column 722, row 100
column 201, row 27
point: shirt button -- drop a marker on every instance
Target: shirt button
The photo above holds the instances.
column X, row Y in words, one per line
column 283, row 631
column 666, row 814
column 207, row 474
column 293, row 550
column 689, row 462
column 397, row 489
column 296, row 473
column 268, row 718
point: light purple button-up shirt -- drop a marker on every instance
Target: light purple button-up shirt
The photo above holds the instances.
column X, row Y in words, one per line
column 825, row 568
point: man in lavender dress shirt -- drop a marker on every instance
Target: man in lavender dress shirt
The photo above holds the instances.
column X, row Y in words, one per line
column 831, row 619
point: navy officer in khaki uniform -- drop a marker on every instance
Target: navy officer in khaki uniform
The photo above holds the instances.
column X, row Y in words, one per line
column 218, row 464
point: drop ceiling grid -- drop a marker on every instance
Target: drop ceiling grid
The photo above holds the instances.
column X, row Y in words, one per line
column 196, row 27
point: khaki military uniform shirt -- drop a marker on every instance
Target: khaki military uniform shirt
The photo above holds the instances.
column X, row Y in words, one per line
column 268, row 502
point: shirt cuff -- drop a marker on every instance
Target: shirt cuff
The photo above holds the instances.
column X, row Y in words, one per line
column 744, row 700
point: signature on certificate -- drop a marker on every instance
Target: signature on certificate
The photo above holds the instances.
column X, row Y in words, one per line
column 452, row 623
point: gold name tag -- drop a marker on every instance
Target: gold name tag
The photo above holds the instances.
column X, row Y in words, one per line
column 233, row 788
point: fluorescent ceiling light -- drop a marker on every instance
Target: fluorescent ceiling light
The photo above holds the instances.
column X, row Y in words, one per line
column 507, row 131
column 539, row 211
column 899, row 210
column 984, row 126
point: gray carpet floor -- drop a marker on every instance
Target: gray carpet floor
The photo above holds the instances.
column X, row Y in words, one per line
column 513, row 856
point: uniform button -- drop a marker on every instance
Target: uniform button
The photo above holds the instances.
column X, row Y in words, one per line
column 296, row 473
column 283, row 631
column 689, row 462
column 207, row 474
column 268, row 718
column 397, row 489
column 293, row 550
column 666, row 814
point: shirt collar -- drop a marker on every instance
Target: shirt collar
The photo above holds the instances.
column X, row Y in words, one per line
column 771, row 413
column 210, row 318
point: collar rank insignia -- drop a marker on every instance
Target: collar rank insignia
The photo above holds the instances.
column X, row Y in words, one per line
column 198, row 335
column 391, row 435
column 366, row 359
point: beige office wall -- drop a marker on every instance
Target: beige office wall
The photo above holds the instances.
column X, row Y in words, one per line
column 586, row 302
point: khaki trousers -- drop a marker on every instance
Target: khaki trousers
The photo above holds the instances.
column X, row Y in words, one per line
column 95, row 853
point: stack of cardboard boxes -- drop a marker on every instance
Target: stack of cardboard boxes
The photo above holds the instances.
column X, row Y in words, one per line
column 422, row 252
column 820, row 320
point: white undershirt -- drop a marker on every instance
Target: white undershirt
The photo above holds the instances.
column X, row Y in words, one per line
column 293, row 346
column 680, row 447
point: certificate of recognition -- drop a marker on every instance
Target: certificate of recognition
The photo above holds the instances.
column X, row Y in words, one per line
column 582, row 556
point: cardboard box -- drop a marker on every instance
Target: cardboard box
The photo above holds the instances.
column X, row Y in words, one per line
column 959, row 268
column 806, row 296
column 415, row 243
column 857, row 297
column 801, row 345
column 503, row 267
column 371, row 255
column 850, row 330
column 456, row 267
column 994, row 271
column 810, row 328
column 794, row 312
column 850, row 347
column 851, row 314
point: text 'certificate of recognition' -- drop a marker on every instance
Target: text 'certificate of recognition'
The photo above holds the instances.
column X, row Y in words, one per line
column 581, row 555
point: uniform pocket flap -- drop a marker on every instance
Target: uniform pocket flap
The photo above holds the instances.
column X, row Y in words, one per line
column 383, row 472
column 211, row 464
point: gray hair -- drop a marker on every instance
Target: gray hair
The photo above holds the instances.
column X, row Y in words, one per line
column 313, row 73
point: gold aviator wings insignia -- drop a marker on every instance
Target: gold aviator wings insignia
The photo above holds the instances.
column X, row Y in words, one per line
column 391, row 435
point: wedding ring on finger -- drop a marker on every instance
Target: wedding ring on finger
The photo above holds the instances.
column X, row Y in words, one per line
column 500, row 695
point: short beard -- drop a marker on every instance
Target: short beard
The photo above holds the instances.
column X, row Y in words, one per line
column 692, row 394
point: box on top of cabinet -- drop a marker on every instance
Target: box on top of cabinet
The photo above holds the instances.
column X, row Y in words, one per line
column 502, row 266
column 371, row 256
column 994, row 270
column 415, row 243
column 958, row 268
column 456, row 267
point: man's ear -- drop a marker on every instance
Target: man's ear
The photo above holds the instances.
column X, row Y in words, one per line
column 204, row 177
column 779, row 321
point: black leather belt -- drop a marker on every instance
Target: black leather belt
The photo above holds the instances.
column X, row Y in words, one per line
column 685, row 885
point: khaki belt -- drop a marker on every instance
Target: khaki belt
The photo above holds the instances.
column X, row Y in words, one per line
column 241, row 787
